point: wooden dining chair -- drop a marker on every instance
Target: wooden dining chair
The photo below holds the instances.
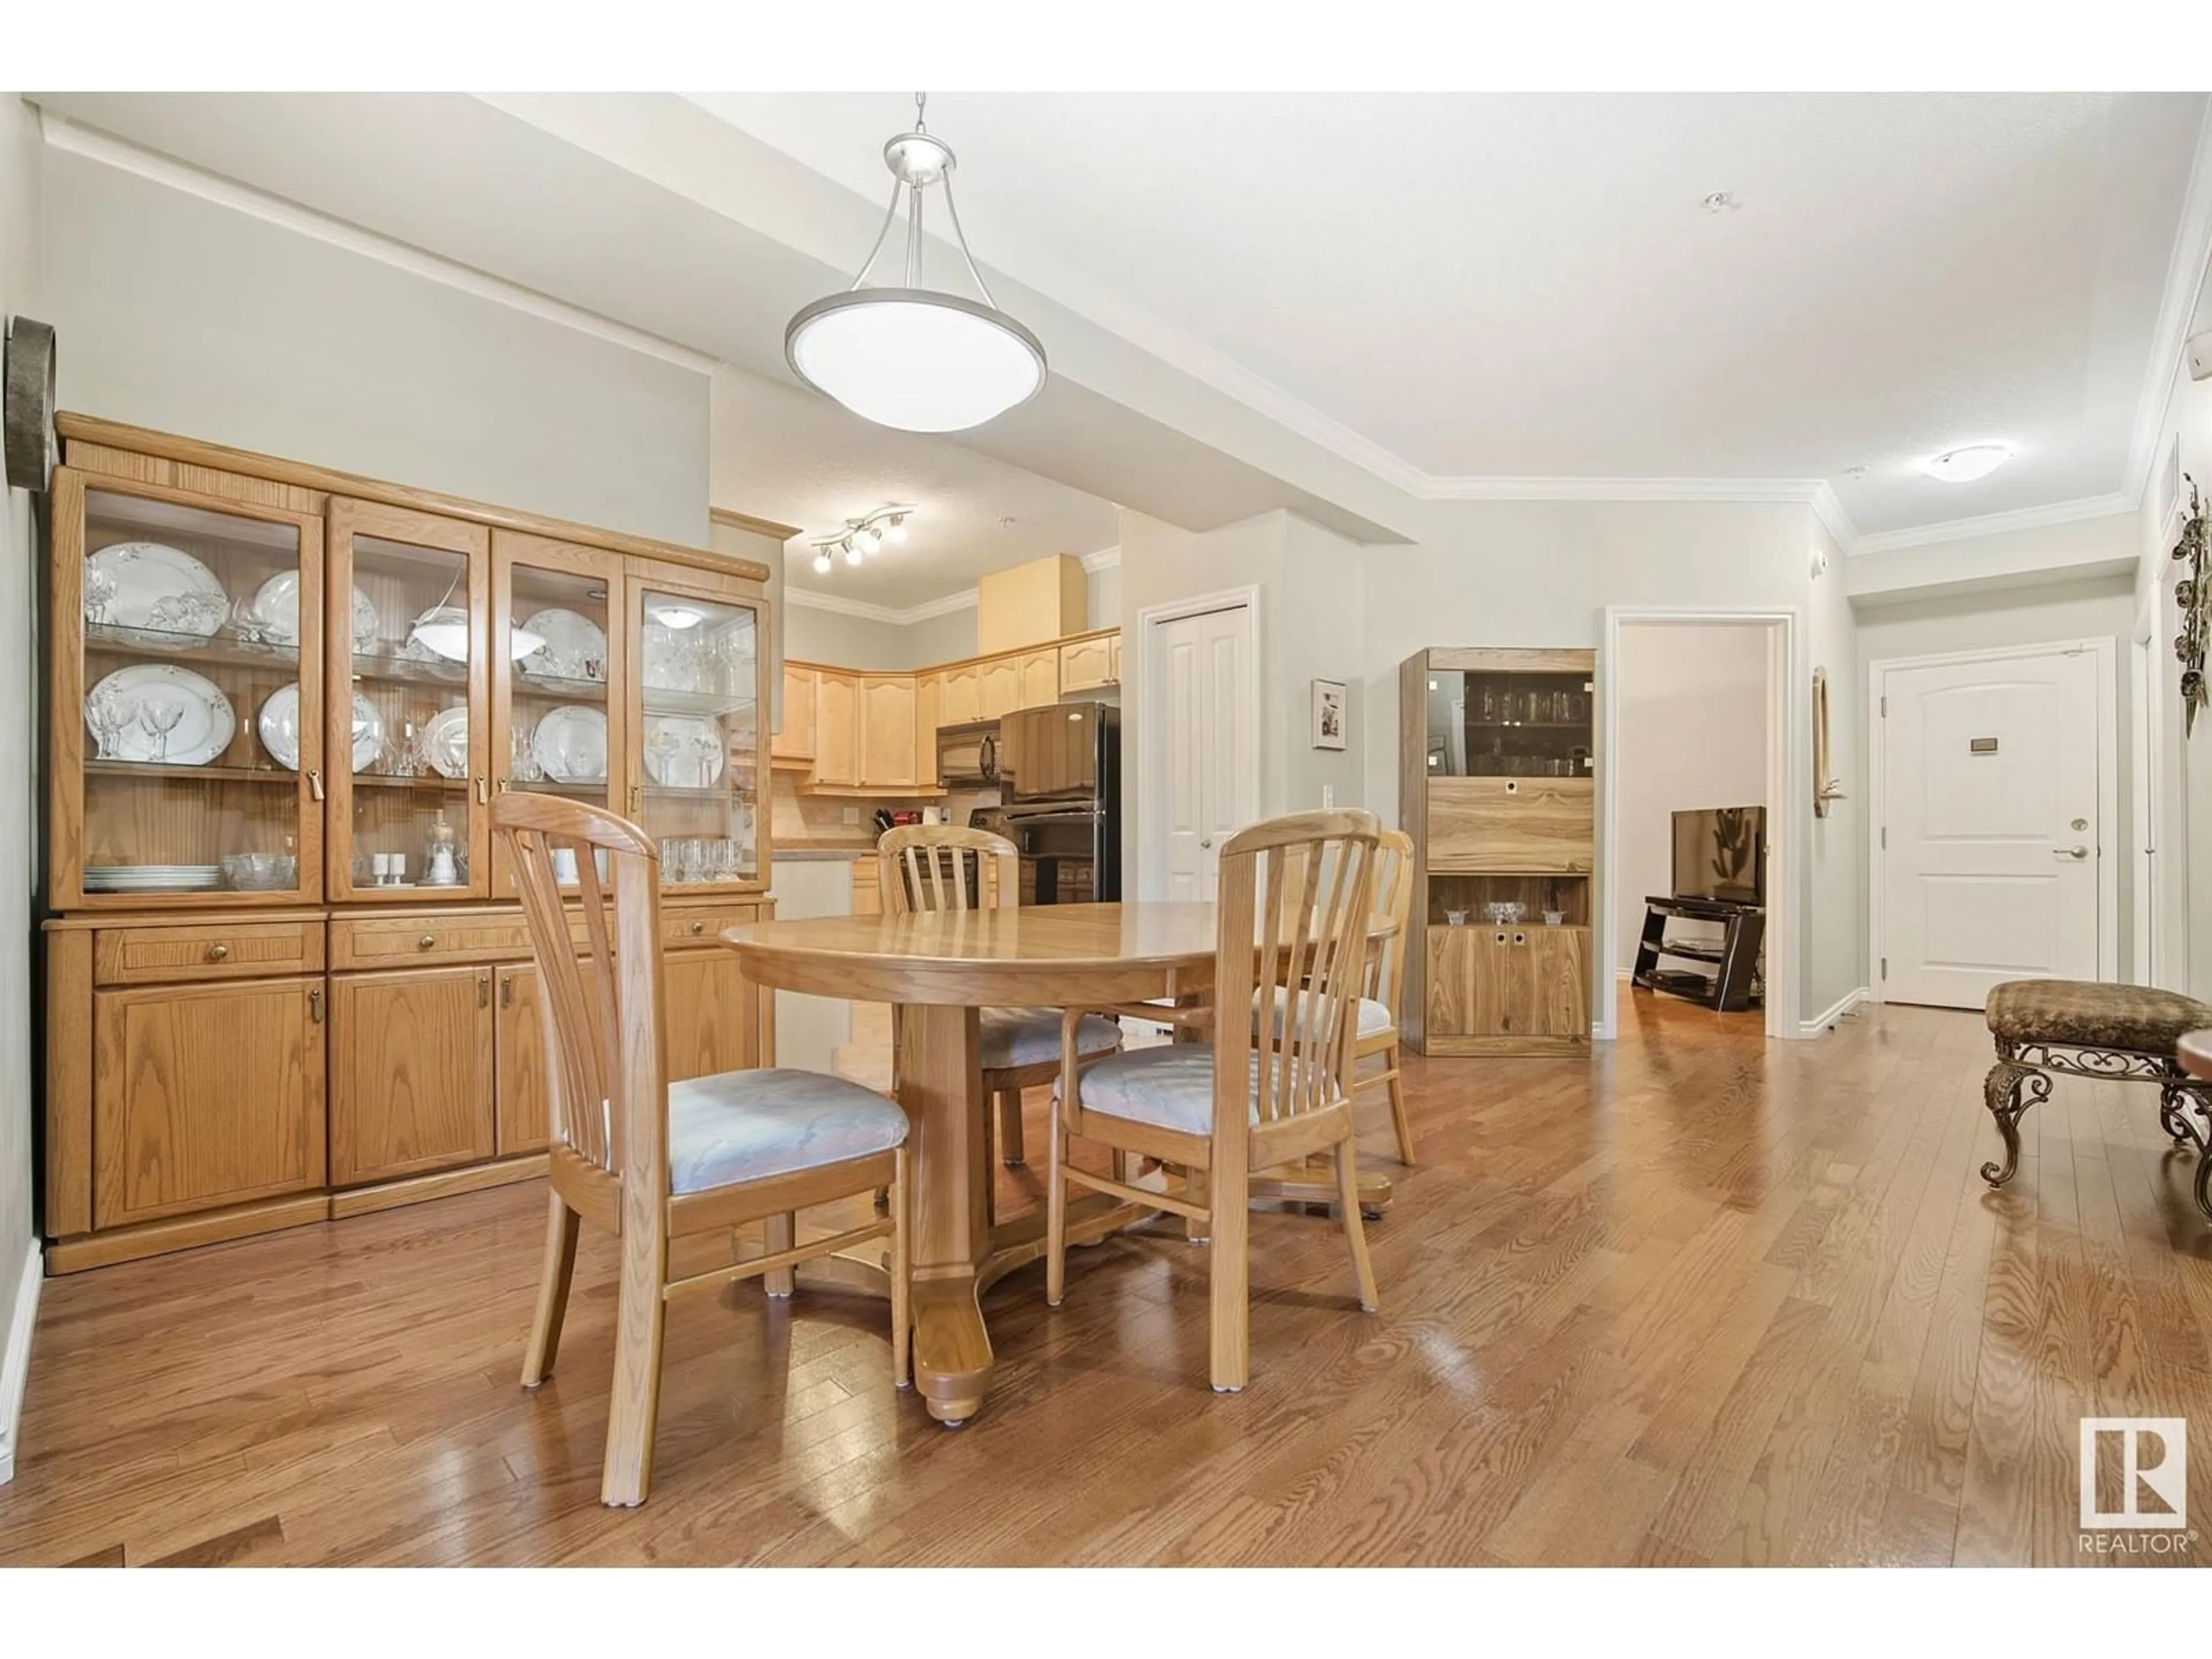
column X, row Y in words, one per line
column 944, row 866
column 653, row 1161
column 1382, row 992
column 1293, row 919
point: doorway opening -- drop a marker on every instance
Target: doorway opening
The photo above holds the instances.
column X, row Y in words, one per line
column 1701, row 769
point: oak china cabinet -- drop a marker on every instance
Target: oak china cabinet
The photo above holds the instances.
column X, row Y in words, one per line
column 287, row 977
column 1497, row 786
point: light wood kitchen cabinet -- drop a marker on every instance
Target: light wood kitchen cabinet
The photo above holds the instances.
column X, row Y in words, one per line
column 1113, row 650
column 999, row 682
column 707, row 1010
column 867, row 888
column 962, row 701
column 1089, row 663
column 1034, row 603
column 836, row 728
column 205, row 1096
column 411, row 1072
column 796, row 740
column 522, row 1111
column 887, row 730
column 1040, row 679
column 928, row 715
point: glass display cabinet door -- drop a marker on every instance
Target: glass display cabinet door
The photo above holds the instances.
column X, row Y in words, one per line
column 556, row 728
column 1534, row 723
column 187, row 717
column 409, row 726
column 697, row 738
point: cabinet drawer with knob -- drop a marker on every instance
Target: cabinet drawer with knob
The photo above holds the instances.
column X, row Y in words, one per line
column 242, row 950
column 359, row 942
column 684, row 929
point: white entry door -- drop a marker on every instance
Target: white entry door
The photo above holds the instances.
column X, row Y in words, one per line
column 1207, row 738
column 1991, row 844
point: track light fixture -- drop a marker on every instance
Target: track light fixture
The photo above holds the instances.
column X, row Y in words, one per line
column 860, row 537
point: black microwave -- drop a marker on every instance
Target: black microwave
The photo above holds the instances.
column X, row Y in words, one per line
column 968, row 756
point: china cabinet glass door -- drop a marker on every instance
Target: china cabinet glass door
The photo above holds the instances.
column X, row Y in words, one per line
column 408, row 731
column 187, row 736
column 555, row 722
column 1509, row 723
column 696, row 739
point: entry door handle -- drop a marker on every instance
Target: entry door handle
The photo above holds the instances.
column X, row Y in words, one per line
column 2070, row 852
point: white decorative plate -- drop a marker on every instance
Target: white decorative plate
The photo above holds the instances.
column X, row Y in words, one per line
column 146, row 877
column 682, row 748
column 153, row 589
column 279, row 724
column 571, row 745
column 140, row 695
column 574, row 649
column 276, row 607
column 445, row 743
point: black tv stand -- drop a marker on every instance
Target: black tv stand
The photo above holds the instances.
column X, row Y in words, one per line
column 1722, row 976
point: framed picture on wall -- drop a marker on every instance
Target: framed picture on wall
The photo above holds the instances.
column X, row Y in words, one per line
column 1328, row 714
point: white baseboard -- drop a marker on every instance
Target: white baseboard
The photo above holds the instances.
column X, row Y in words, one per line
column 15, row 1357
column 1820, row 1022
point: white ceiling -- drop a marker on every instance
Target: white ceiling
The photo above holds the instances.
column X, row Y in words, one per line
column 787, row 455
column 1459, row 287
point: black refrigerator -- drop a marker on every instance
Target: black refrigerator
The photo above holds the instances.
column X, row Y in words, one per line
column 1060, row 780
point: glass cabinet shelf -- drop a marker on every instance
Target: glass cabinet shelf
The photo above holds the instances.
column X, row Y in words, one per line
column 1509, row 723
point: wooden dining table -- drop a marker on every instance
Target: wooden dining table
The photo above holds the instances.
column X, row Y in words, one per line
column 937, row 970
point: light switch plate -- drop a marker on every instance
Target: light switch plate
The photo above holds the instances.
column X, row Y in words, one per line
column 1328, row 796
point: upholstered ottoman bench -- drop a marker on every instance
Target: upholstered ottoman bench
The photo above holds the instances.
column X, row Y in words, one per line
column 2063, row 1027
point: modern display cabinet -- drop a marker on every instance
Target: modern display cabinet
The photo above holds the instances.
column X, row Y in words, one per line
column 288, row 975
column 1497, row 788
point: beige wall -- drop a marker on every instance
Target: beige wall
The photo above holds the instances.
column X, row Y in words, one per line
column 253, row 333
column 1692, row 735
column 1833, row 943
column 870, row 642
column 19, row 293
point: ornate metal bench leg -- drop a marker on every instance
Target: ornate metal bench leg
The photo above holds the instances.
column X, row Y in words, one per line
column 2172, row 1099
column 2008, row 1091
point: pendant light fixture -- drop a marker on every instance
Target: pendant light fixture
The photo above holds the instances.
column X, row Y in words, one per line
column 914, row 357
column 861, row 538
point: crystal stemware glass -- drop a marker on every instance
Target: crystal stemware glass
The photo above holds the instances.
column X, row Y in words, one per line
column 158, row 717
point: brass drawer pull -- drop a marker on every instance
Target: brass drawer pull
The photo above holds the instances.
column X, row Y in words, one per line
column 315, row 783
column 315, row 1006
column 698, row 926
column 483, row 990
column 507, row 990
column 428, row 942
column 218, row 952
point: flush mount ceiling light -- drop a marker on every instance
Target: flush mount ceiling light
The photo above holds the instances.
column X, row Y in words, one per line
column 916, row 358
column 1968, row 462
column 860, row 537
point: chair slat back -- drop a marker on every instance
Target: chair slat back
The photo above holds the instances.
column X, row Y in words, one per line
column 1296, row 899
column 927, row 866
column 1384, row 980
column 600, row 1002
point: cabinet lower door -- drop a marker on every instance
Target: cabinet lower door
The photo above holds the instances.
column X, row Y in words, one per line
column 710, row 1010
column 1508, row 983
column 411, row 1072
column 1558, row 976
column 523, row 1110
column 206, row 1096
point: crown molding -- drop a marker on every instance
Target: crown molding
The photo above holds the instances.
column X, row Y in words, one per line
column 1106, row 558
column 1998, row 524
column 814, row 598
column 59, row 132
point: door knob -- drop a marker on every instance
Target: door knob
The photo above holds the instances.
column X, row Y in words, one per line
column 1206, row 842
column 2070, row 852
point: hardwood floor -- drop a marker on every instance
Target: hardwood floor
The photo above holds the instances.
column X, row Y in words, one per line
column 1698, row 1299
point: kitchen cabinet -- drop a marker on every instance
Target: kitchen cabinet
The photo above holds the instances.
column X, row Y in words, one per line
column 1089, row 663
column 928, row 715
column 796, row 740
column 999, row 683
column 710, row 1013
column 411, row 1072
column 888, row 752
column 1113, row 657
column 836, row 728
column 961, row 696
column 205, row 1096
column 1040, row 679
column 1039, row 603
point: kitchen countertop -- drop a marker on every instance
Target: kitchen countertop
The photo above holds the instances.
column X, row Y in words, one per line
column 819, row 855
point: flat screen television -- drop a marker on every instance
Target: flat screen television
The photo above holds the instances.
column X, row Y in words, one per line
column 1720, row 852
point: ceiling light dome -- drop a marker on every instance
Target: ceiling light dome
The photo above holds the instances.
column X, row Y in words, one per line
column 1968, row 462
column 916, row 358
